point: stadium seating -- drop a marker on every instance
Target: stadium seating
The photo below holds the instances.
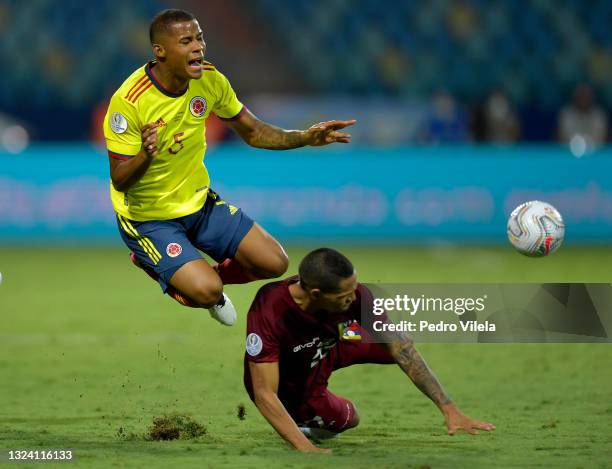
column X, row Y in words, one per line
column 536, row 51
column 67, row 58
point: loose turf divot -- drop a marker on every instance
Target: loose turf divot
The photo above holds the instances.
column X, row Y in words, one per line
column 241, row 411
column 174, row 427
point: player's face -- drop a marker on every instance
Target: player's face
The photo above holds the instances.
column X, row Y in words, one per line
column 184, row 49
column 339, row 301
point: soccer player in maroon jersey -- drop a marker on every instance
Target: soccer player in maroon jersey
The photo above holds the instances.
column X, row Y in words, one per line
column 301, row 329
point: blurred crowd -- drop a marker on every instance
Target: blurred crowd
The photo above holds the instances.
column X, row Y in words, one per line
column 581, row 123
column 497, row 71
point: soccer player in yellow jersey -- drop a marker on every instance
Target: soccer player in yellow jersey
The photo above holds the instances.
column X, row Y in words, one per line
column 160, row 188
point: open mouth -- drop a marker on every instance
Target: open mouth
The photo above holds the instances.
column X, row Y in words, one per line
column 195, row 64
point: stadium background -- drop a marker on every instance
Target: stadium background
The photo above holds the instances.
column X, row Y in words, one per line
column 464, row 109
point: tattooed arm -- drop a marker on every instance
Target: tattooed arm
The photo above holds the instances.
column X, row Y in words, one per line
column 410, row 361
column 260, row 134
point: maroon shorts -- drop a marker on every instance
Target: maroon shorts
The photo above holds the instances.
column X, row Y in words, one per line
column 323, row 409
column 329, row 412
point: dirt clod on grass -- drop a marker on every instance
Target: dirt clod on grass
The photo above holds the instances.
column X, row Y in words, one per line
column 175, row 427
column 241, row 413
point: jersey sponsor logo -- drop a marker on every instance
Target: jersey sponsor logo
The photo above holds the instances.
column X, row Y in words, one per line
column 309, row 344
column 254, row 344
column 174, row 249
column 197, row 106
column 160, row 122
column 323, row 349
column 118, row 123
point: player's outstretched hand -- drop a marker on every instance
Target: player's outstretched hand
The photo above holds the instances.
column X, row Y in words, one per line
column 456, row 420
column 325, row 133
column 149, row 139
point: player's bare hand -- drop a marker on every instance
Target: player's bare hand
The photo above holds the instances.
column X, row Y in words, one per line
column 315, row 449
column 456, row 420
column 325, row 133
column 149, row 139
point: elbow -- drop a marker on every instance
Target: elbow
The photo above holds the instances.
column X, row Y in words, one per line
column 253, row 142
column 259, row 399
column 119, row 187
column 119, row 183
column 262, row 398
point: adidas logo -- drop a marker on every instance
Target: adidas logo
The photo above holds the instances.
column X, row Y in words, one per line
column 160, row 122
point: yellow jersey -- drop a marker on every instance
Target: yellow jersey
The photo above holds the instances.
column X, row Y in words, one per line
column 177, row 182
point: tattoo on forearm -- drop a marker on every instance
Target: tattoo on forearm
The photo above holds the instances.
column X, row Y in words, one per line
column 275, row 138
column 411, row 362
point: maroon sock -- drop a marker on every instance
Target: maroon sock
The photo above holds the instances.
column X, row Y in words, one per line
column 182, row 299
column 231, row 272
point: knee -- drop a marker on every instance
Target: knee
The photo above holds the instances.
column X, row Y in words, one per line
column 344, row 419
column 274, row 265
column 207, row 293
column 277, row 265
column 280, row 264
column 353, row 419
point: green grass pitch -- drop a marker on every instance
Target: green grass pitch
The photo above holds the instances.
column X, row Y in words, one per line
column 91, row 351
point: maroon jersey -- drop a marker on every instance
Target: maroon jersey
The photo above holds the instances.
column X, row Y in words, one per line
column 307, row 346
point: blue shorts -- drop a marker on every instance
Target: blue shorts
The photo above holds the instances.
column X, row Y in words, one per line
column 163, row 246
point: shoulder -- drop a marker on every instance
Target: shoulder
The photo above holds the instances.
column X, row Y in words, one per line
column 364, row 298
column 137, row 78
column 209, row 71
column 363, row 292
column 131, row 89
column 270, row 302
column 270, row 294
column 208, row 67
column 212, row 77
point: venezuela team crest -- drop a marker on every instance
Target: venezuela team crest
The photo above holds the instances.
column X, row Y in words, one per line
column 197, row 106
column 350, row 330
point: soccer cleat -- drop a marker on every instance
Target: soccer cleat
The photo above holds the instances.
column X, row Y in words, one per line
column 318, row 433
column 224, row 311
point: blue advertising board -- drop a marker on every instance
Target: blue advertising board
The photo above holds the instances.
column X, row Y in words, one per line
column 413, row 194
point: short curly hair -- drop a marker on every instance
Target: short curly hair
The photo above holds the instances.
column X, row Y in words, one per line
column 164, row 19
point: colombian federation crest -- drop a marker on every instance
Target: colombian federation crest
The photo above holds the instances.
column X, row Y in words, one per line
column 197, row 106
column 174, row 249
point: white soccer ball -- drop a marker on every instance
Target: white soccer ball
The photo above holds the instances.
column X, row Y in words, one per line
column 536, row 228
